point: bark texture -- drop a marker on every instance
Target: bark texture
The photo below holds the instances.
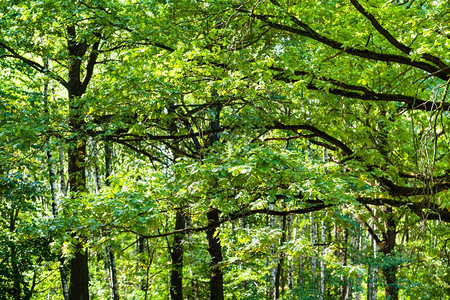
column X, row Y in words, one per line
column 215, row 251
column 176, row 274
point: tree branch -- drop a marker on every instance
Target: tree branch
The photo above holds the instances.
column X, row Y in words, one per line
column 38, row 67
column 363, row 93
column 316, row 132
column 92, row 60
column 306, row 31
column 405, row 49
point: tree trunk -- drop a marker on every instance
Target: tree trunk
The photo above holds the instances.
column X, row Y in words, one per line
column 344, row 288
column 301, row 275
column 62, row 177
column 79, row 274
column 291, row 235
column 273, row 252
column 373, row 272
column 214, row 246
column 194, row 283
column 370, row 276
column 313, row 234
column 109, row 251
column 358, row 285
column 141, row 246
column 322, row 246
column 16, row 290
column 177, row 249
column 279, row 269
column 390, row 270
column 112, row 273
column 79, row 270
column 51, row 178
column 215, row 251
column 176, row 274
column 322, row 262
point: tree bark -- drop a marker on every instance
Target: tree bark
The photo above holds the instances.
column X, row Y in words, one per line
column 141, row 246
column 79, row 271
column 290, row 276
column 177, row 248
column 109, row 251
column 279, row 269
column 273, row 252
column 79, row 275
column 176, row 274
column 344, row 288
column 215, row 251
column 370, row 244
column 112, row 273
column 62, row 177
column 322, row 262
column 301, row 275
column 313, row 235
column 390, row 270
column 214, row 246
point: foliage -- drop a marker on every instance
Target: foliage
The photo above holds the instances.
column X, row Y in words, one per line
column 316, row 129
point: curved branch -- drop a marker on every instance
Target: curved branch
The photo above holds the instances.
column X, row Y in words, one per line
column 363, row 93
column 317, row 132
column 239, row 215
column 420, row 209
column 380, row 28
column 393, row 189
column 405, row 49
column 38, row 67
column 92, row 60
column 306, row 31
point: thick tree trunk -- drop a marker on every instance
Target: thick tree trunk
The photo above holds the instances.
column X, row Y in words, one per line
column 176, row 274
column 214, row 246
column 79, row 271
column 177, row 248
column 194, row 290
column 79, row 276
column 215, row 251
column 390, row 271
